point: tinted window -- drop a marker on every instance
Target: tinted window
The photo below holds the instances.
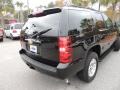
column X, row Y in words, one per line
column 80, row 21
column 42, row 23
column 99, row 22
column 11, row 27
column 107, row 21
column 18, row 26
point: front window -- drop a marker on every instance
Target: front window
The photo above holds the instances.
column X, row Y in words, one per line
column 107, row 21
column 18, row 26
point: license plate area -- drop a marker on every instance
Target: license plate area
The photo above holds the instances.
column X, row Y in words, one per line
column 33, row 49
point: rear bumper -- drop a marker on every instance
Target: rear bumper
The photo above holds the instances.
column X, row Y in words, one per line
column 62, row 71
column 15, row 35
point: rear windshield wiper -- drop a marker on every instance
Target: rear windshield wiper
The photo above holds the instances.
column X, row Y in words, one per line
column 40, row 33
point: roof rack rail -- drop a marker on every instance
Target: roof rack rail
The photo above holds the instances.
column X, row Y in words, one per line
column 45, row 12
column 83, row 7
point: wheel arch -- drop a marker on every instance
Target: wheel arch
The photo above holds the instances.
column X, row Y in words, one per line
column 96, row 49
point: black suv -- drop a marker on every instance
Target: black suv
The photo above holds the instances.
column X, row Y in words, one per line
column 66, row 41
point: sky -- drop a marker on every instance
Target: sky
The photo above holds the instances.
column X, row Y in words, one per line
column 35, row 3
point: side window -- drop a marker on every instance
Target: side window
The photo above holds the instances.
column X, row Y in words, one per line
column 11, row 27
column 99, row 22
column 108, row 21
column 80, row 22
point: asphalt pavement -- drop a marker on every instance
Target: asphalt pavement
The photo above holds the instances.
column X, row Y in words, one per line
column 15, row 75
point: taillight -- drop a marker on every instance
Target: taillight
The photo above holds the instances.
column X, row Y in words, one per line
column 65, row 50
column 14, row 31
column 1, row 32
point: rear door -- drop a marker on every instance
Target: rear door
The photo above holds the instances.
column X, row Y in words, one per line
column 45, row 46
column 18, row 28
column 81, row 28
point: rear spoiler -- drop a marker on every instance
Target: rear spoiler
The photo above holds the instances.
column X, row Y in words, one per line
column 45, row 12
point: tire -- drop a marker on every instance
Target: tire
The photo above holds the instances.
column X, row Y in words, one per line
column 85, row 74
column 11, row 36
column 117, row 45
column 1, row 40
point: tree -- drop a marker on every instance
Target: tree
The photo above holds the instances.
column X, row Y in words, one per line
column 20, row 15
column 81, row 2
column 50, row 5
column 59, row 3
column 113, row 3
column 5, row 7
column 101, row 2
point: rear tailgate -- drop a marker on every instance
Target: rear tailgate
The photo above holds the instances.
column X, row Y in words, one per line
column 17, row 29
column 17, row 32
column 43, row 48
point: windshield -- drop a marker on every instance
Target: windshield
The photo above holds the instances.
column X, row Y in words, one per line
column 42, row 23
column 18, row 26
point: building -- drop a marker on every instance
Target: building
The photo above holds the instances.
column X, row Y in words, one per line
column 7, row 21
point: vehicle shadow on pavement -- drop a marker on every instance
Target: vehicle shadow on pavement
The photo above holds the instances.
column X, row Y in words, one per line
column 46, row 82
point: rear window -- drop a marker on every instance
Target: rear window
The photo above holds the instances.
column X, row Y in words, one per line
column 18, row 26
column 43, row 23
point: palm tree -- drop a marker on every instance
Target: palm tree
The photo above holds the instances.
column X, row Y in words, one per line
column 113, row 2
column 105, row 3
column 80, row 2
column 101, row 2
column 28, row 7
column 5, row 7
column 20, row 13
